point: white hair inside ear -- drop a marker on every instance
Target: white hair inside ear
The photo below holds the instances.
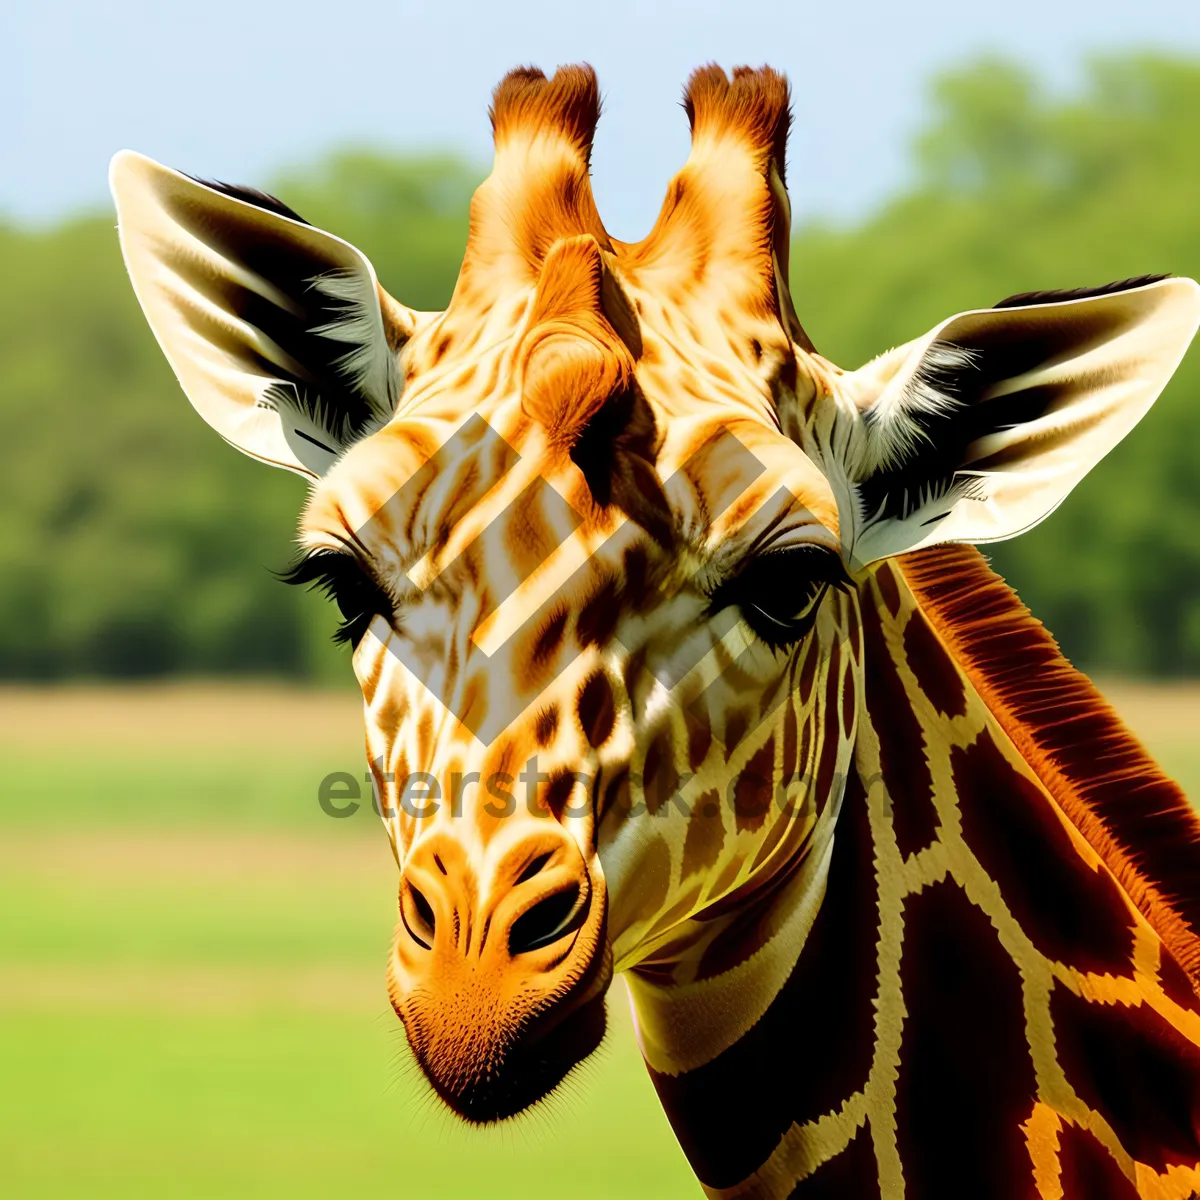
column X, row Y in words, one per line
column 368, row 364
column 278, row 332
column 980, row 429
column 903, row 387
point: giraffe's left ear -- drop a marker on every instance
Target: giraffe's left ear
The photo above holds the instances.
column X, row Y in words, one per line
column 279, row 332
column 977, row 431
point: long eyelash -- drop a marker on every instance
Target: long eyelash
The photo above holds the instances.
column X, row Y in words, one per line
column 819, row 567
column 345, row 581
column 825, row 567
column 816, row 568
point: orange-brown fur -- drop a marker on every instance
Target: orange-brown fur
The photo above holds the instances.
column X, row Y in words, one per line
column 1137, row 819
column 901, row 907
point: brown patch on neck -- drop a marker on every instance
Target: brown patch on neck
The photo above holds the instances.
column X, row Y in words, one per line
column 1133, row 816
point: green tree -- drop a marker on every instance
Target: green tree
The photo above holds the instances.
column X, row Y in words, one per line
column 1016, row 191
column 133, row 541
column 408, row 215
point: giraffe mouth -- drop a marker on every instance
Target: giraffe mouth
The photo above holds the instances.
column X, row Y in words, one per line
column 531, row 1070
column 500, row 1061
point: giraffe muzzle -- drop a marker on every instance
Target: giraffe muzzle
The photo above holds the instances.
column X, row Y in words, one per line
column 499, row 969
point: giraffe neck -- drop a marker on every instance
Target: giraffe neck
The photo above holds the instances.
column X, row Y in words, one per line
column 992, row 999
column 741, row 790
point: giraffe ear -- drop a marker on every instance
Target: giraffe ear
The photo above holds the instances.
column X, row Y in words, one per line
column 980, row 429
column 278, row 332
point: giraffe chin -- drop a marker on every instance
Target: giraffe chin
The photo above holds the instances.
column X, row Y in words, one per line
column 502, row 1067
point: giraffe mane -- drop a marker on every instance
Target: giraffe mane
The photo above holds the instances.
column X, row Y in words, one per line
column 1135, row 817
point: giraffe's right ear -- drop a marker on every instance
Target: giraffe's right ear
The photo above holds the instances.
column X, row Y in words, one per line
column 980, row 429
column 278, row 332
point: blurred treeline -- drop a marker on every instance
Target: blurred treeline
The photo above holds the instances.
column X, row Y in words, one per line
column 133, row 542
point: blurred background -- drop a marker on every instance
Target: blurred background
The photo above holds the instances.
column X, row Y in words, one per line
column 191, row 956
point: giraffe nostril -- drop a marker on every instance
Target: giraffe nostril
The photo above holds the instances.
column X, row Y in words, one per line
column 420, row 921
column 424, row 909
column 548, row 920
column 534, row 866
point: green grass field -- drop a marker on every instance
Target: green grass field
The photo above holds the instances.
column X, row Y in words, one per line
column 191, row 977
column 191, row 970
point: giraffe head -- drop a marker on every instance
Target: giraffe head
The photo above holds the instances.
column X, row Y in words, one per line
column 594, row 532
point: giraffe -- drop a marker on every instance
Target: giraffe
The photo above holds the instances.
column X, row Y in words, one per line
column 679, row 662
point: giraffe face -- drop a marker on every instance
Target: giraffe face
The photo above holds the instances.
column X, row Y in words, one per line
column 599, row 534
column 585, row 726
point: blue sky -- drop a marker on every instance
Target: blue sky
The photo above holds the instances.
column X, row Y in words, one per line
column 236, row 89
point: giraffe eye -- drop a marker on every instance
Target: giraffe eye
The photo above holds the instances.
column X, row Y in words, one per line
column 359, row 596
column 779, row 593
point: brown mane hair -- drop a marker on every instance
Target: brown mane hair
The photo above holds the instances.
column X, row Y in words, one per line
column 1135, row 817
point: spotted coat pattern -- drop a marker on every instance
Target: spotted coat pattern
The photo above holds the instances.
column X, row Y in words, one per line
column 673, row 665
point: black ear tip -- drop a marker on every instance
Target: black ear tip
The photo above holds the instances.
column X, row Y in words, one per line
column 249, row 195
column 1027, row 299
